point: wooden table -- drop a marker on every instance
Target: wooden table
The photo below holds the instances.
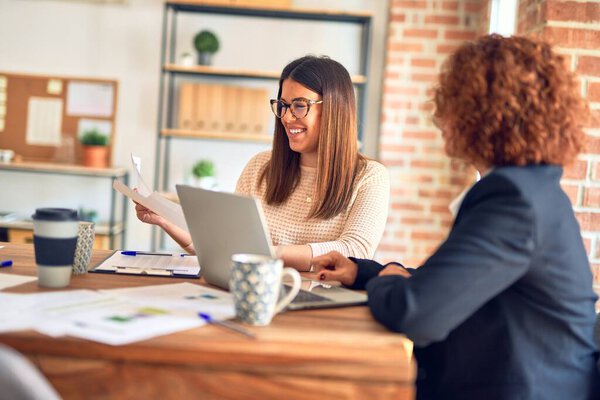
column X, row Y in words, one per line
column 321, row 354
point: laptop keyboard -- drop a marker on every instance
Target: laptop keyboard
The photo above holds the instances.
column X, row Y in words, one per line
column 304, row 296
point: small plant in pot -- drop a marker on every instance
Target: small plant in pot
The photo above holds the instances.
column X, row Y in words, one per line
column 95, row 148
column 207, row 44
column 204, row 173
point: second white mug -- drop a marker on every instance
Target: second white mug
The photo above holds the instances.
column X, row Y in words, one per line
column 255, row 283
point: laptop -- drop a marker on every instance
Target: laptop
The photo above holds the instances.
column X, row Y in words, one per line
column 222, row 224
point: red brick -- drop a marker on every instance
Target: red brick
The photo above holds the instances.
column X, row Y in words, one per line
column 398, row 17
column 416, row 221
column 460, row 35
column 577, row 170
column 407, row 206
column 450, row 5
column 437, row 236
column 593, row 91
column 596, row 171
column 421, row 4
column 589, row 65
column 411, row 120
column 427, row 164
column 589, row 221
column 393, row 162
column 399, row 105
column 429, row 78
column 406, row 47
column 575, row 38
column 473, row 6
column 422, row 135
column 442, row 19
column 446, row 48
column 421, row 33
column 573, row 11
column 573, row 192
column 591, row 197
column 423, row 62
column 592, row 145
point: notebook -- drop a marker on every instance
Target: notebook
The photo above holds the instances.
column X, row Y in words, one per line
column 222, row 224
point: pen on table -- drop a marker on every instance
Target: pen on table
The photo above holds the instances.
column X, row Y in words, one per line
column 227, row 325
column 143, row 253
column 146, row 253
column 6, row 263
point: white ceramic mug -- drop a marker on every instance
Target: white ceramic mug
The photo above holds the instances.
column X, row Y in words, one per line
column 85, row 245
column 255, row 283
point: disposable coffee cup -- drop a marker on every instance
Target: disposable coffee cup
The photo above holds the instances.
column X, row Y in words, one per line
column 54, row 242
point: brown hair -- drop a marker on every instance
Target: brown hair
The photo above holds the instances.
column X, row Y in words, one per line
column 338, row 159
column 510, row 101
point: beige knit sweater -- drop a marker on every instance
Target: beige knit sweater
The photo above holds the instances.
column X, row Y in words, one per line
column 354, row 232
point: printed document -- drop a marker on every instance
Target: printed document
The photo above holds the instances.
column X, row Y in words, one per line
column 167, row 209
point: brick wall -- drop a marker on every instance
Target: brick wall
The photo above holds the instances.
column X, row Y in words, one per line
column 573, row 27
column 421, row 34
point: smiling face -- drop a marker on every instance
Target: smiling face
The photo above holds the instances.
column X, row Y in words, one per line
column 303, row 133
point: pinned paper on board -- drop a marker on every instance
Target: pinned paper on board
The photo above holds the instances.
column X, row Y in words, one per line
column 90, row 99
column 102, row 126
column 44, row 121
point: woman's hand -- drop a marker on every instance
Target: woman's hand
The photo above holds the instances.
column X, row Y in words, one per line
column 147, row 216
column 335, row 267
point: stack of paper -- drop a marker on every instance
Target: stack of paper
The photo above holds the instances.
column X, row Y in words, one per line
column 118, row 316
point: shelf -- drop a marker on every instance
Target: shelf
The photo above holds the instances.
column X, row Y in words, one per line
column 271, row 12
column 65, row 169
column 237, row 73
column 191, row 134
column 100, row 229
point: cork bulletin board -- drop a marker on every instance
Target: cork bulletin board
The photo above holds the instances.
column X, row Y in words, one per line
column 42, row 117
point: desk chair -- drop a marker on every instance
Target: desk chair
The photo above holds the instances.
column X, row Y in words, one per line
column 21, row 380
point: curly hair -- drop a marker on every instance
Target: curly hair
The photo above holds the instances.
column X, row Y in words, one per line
column 509, row 101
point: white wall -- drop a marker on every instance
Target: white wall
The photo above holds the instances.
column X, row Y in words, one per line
column 122, row 42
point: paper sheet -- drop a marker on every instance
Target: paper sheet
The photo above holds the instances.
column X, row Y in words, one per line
column 90, row 98
column 117, row 316
column 167, row 209
column 44, row 121
column 10, row 280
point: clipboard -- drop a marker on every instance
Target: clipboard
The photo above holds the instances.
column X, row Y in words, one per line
column 162, row 265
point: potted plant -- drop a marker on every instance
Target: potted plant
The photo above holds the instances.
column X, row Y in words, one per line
column 207, row 44
column 95, row 148
column 204, row 172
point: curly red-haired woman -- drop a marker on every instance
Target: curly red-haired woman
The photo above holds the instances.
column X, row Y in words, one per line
column 504, row 309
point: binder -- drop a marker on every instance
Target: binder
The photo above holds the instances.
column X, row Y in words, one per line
column 186, row 106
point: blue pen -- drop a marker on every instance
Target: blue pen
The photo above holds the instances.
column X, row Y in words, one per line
column 226, row 324
column 6, row 263
column 143, row 253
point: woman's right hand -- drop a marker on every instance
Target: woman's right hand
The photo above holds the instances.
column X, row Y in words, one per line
column 147, row 216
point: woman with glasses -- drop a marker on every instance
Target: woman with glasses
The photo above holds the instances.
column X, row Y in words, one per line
column 319, row 194
column 504, row 309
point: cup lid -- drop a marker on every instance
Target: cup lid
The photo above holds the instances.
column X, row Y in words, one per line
column 55, row 214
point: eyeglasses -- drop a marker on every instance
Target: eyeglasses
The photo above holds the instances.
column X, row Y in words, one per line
column 299, row 107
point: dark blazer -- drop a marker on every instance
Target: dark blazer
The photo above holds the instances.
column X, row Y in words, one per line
column 504, row 309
